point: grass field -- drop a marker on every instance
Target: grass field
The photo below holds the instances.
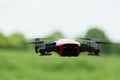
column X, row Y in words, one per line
column 25, row 65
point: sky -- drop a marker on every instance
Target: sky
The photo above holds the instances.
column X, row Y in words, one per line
column 38, row 18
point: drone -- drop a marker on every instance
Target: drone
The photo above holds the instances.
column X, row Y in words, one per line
column 68, row 47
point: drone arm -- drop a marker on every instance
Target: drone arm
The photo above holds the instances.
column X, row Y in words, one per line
column 91, row 50
column 48, row 48
column 84, row 48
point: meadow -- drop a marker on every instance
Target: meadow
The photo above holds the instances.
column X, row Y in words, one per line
column 26, row 65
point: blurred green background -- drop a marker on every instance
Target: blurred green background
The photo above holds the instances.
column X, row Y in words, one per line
column 18, row 61
column 21, row 20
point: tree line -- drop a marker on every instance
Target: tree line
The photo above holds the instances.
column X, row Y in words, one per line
column 17, row 40
column 100, row 34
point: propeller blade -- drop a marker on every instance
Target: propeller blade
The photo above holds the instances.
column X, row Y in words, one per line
column 91, row 39
column 38, row 40
column 34, row 42
column 96, row 40
column 100, row 42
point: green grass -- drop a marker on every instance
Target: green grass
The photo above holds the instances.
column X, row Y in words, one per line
column 26, row 65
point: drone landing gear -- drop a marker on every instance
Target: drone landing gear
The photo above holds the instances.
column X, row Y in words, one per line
column 94, row 53
column 44, row 53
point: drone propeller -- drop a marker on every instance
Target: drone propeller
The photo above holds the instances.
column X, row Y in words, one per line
column 101, row 42
column 91, row 39
column 38, row 41
column 34, row 41
column 95, row 40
